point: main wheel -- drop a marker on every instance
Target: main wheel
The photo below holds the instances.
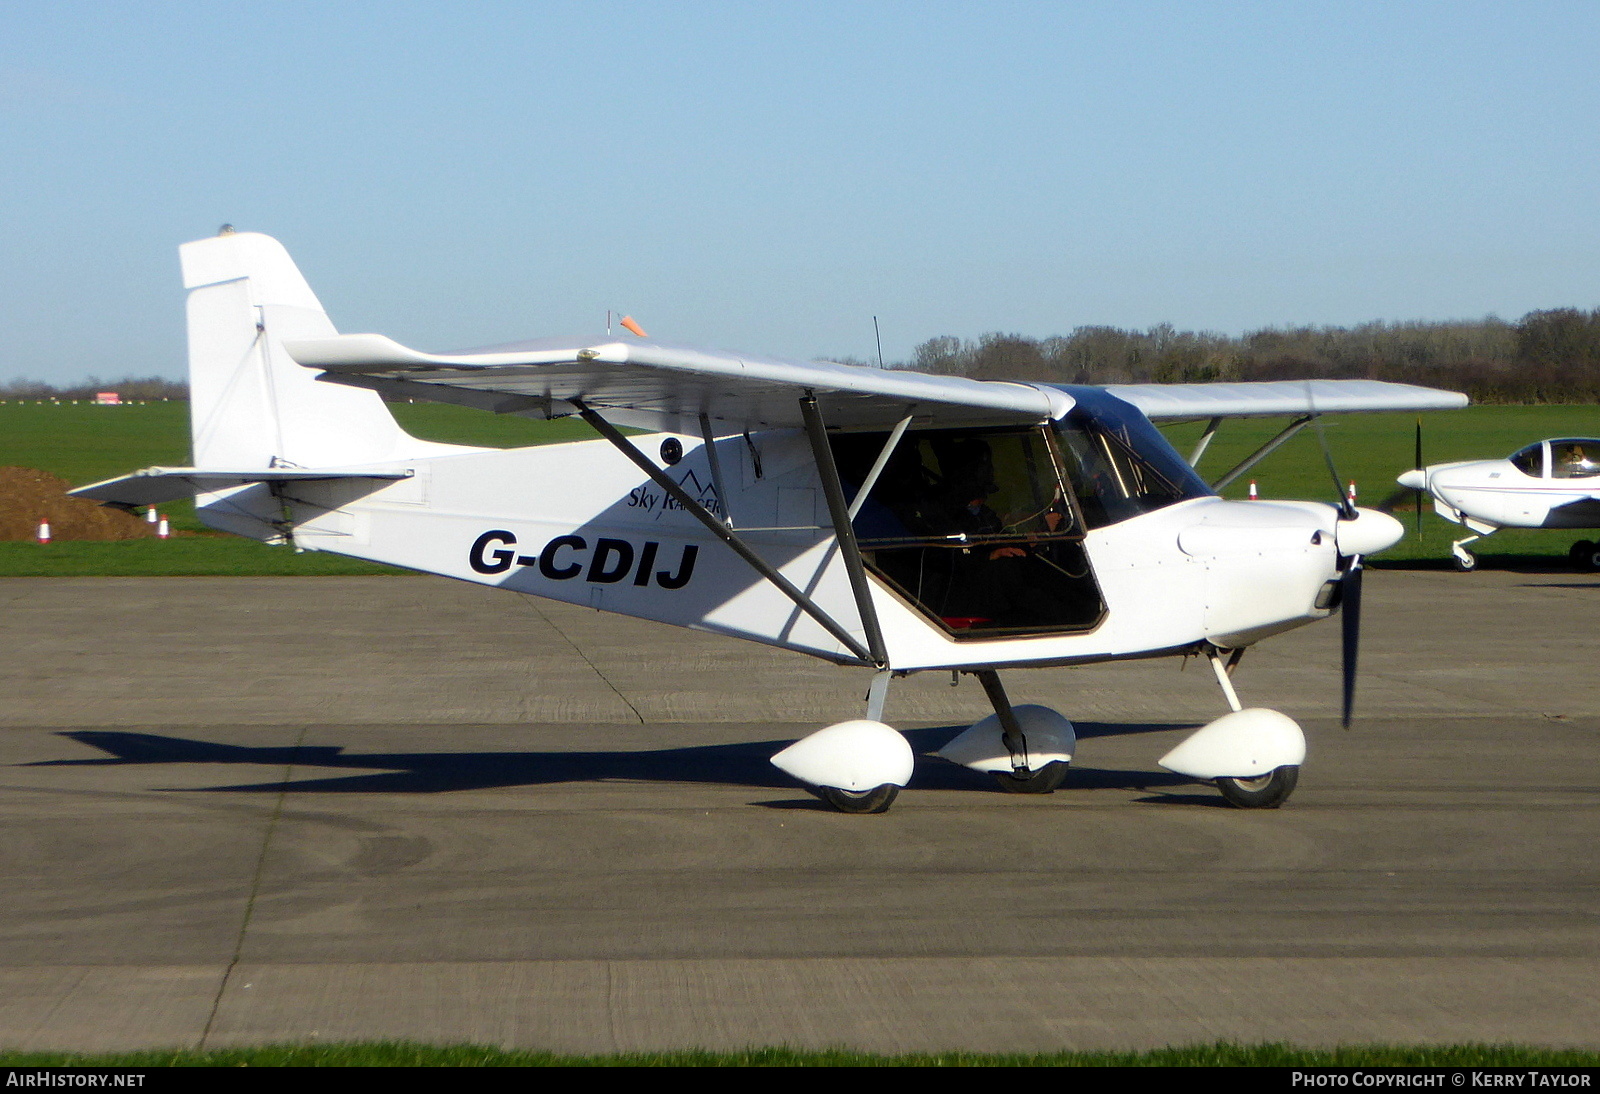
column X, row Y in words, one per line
column 1466, row 561
column 1043, row 781
column 1585, row 555
column 1263, row 792
column 876, row 800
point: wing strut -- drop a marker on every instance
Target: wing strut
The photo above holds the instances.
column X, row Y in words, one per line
column 722, row 532
column 716, row 469
column 879, row 464
column 842, row 530
column 1264, row 451
column 1205, row 441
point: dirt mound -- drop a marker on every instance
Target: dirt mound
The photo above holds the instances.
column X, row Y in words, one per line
column 28, row 496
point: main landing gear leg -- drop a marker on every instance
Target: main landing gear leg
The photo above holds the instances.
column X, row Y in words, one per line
column 878, row 694
column 1023, row 778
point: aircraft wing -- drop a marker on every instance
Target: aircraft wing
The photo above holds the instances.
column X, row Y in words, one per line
column 1277, row 398
column 658, row 386
column 155, row 485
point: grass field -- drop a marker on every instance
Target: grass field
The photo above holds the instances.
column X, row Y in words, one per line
column 400, row 1054
column 84, row 443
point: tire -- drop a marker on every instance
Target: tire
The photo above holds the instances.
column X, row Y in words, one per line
column 1043, row 781
column 1264, row 792
column 876, row 800
column 1466, row 562
column 1585, row 556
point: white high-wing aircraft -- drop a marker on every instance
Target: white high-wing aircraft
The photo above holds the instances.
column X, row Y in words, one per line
column 884, row 519
column 1548, row 484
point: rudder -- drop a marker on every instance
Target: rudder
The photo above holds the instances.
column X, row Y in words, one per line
column 251, row 405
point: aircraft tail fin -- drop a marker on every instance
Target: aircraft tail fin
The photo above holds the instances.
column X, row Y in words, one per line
column 250, row 404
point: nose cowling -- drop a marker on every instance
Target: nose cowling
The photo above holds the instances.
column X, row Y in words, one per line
column 1368, row 532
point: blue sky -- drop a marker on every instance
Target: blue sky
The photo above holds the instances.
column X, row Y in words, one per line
column 769, row 177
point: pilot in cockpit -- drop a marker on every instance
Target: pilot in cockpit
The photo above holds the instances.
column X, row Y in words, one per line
column 1575, row 462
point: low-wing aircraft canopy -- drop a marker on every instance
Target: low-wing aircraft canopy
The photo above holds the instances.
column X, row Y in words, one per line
column 1565, row 457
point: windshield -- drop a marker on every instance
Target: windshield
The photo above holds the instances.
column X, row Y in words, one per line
column 1120, row 464
column 1530, row 460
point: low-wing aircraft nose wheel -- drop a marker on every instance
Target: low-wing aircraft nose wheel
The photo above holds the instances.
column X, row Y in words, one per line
column 1464, row 561
column 1263, row 792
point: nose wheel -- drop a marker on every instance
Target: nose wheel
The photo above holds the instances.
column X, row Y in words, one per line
column 876, row 800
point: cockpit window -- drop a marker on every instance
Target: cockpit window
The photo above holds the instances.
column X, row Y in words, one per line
column 976, row 528
column 1574, row 458
column 1530, row 460
column 1120, row 465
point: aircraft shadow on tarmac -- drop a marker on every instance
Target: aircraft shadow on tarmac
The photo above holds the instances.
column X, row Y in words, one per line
column 739, row 764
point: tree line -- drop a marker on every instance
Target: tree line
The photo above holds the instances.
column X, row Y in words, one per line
column 1548, row 356
column 129, row 389
column 1545, row 357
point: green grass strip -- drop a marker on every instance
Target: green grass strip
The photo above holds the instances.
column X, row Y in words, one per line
column 84, row 443
column 1224, row 1054
column 182, row 556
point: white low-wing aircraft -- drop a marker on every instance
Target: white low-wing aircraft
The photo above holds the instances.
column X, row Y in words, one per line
column 884, row 519
column 1547, row 484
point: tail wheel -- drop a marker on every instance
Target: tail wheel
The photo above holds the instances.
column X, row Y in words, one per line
column 1263, row 792
column 1043, row 781
column 876, row 800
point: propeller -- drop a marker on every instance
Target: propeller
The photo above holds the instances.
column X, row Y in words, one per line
column 1415, row 491
column 1418, row 465
column 1350, row 632
column 1350, row 586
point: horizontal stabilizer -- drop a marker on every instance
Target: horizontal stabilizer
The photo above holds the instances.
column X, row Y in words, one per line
column 155, row 485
